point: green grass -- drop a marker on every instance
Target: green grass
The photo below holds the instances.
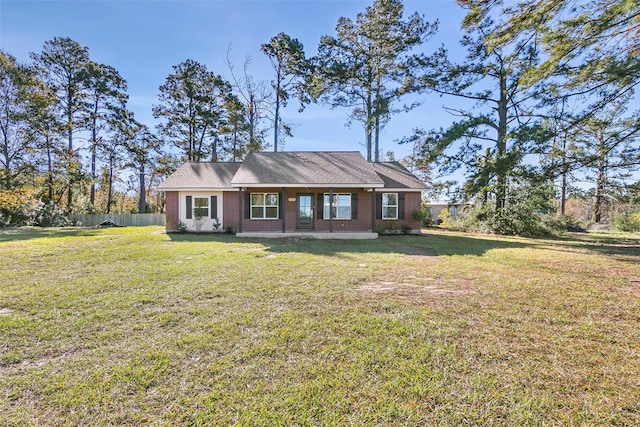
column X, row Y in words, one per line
column 135, row 327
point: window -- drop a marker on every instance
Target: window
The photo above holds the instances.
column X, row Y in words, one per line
column 201, row 207
column 389, row 205
column 341, row 208
column 264, row 205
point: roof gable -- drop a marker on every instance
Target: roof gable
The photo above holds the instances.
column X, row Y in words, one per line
column 196, row 175
column 397, row 177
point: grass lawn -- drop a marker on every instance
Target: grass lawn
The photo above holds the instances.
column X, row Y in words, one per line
column 132, row 326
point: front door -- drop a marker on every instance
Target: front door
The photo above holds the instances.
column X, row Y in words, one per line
column 305, row 211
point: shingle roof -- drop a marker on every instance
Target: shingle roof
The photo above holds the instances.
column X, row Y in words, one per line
column 396, row 176
column 341, row 169
column 195, row 175
column 309, row 169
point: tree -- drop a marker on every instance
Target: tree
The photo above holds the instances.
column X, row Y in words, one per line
column 61, row 66
column 235, row 132
column 106, row 97
column 142, row 147
column 491, row 143
column 291, row 67
column 369, row 64
column 192, row 103
column 591, row 47
column 17, row 93
column 254, row 97
column 607, row 145
column 45, row 132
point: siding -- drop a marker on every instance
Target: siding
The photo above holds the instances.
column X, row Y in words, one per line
column 173, row 210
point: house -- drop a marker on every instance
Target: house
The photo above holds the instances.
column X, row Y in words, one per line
column 435, row 208
column 319, row 194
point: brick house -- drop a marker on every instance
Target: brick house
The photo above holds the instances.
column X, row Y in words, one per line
column 319, row 194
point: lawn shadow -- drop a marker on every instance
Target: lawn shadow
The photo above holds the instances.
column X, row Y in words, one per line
column 28, row 233
column 430, row 243
column 424, row 245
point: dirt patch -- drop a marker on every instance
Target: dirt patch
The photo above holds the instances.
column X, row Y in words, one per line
column 5, row 311
column 411, row 290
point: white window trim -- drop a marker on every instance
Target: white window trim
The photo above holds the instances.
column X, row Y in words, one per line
column 328, row 205
column 264, row 207
column 384, row 217
column 194, row 207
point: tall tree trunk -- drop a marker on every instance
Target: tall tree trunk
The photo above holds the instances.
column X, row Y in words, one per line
column 70, row 138
column 235, row 140
column 276, row 119
column 214, row 150
column 377, row 139
column 368, row 125
column 501, row 190
column 110, row 185
column 565, row 172
column 94, row 143
column 600, row 182
column 563, row 192
column 49, row 168
column 7, row 168
column 142, row 204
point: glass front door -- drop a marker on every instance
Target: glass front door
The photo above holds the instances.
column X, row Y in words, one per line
column 305, row 211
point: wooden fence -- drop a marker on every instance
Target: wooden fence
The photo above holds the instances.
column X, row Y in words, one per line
column 120, row 219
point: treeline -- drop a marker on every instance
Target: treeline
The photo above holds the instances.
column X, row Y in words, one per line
column 548, row 86
column 548, row 111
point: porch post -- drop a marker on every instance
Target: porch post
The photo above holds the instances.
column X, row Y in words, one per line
column 282, row 209
column 240, row 210
column 330, row 209
column 373, row 210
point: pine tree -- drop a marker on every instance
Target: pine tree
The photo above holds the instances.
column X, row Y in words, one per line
column 290, row 65
column 369, row 64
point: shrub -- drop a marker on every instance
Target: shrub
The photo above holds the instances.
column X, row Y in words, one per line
column 182, row 227
column 445, row 218
column 627, row 222
column 381, row 229
column 420, row 217
column 20, row 207
column 48, row 215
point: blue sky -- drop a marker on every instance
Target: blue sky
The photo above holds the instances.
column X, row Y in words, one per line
column 142, row 39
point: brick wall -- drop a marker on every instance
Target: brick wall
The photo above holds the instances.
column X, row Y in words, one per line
column 412, row 201
column 230, row 206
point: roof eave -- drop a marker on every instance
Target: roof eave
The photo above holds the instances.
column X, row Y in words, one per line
column 309, row 185
column 197, row 189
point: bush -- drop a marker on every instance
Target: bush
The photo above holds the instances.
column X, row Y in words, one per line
column 530, row 210
column 20, row 208
column 420, row 217
column 627, row 222
column 445, row 218
column 48, row 215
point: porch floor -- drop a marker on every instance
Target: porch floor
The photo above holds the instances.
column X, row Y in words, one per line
column 338, row 235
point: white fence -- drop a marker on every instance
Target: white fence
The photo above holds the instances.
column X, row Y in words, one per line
column 120, row 219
